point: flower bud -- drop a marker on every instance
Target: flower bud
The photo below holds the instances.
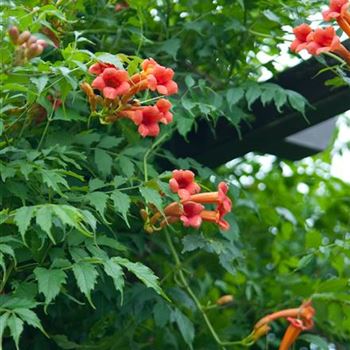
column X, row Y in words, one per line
column 23, row 37
column 260, row 332
column 14, row 34
column 34, row 50
column 32, row 39
column 225, row 299
column 42, row 42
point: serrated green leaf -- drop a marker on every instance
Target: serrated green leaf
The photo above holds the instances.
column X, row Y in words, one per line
column 50, row 282
column 126, row 166
column 16, row 328
column 86, row 276
column 233, row 95
column 3, row 322
column 98, row 200
column 152, row 196
column 30, row 317
column 103, row 162
column 114, row 270
column 40, row 83
column 185, row 326
column 121, row 203
column 23, row 217
column 108, row 142
column 44, row 220
column 142, row 272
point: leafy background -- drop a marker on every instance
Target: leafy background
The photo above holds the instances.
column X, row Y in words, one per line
column 78, row 271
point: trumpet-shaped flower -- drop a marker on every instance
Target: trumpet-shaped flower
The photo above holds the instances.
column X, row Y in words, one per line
column 149, row 124
column 293, row 331
column 301, row 32
column 191, row 214
column 98, row 67
column 336, row 9
column 163, row 82
column 112, row 82
column 164, row 106
column 323, row 40
column 182, row 183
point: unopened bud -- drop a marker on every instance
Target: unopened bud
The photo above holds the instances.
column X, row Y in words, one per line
column 86, row 87
column 261, row 331
column 34, row 50
column 42, row 42
column 14, row 34
column 23, row 37
column 225, row 299
column 32, row 39
column 143, row 214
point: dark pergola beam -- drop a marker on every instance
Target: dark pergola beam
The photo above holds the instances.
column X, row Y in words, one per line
column 270, row 128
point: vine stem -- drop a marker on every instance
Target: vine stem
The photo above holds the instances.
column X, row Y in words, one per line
column 47, row 125
column 147, row 154
column 200, row 307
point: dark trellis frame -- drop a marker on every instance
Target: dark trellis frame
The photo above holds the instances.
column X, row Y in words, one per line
column 268, row 132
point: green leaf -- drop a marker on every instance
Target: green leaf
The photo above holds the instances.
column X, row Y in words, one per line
column 86, row 276
column 50, row 282
column 40, row 83
column 233, row 95
column 189, row 81
column 110, row 142
column 16, row 328
column 113, row 269
column 152, row 196
column 3, row 322
column 320, row 342
column 297, row 101
column 30, row 317
column 44, row 220
column 22, row 218
column 121, row 203
column 103, row 162
column 53, row 179
column 109, row 58
column 98, row 200
column 171, row 47
column 64, row 343
column 252, row 94
column 126, row 166
column 142, row 272
column 185, row 326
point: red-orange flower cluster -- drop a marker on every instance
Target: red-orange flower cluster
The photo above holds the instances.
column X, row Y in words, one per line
column 323, row 40
column 117, row 94
column 190, row 208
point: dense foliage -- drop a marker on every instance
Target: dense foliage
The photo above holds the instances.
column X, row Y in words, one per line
column 87, row 258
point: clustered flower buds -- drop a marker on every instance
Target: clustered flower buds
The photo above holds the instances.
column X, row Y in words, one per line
column 323, row 40
column 190, row 209
column 28, row 46
column 117, row 90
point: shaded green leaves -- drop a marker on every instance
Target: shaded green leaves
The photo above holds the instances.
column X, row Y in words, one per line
column 50, row 282
column 82, row 220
